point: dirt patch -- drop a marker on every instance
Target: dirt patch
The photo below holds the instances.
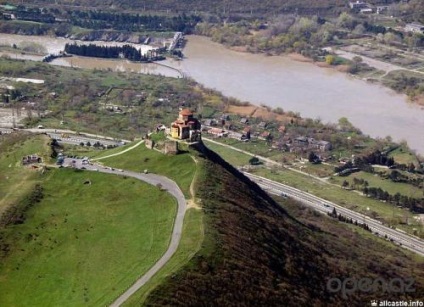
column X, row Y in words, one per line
column 242, row 110
column 323, row 64
column 342, row 68
column 299, row 58
column 419, row 100
column 254, row 111
column 239, row 48
column 191, row 203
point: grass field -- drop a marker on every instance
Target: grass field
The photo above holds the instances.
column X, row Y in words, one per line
column 231, row 156
column 191, row 241
column 83, row 245
column 180, row 168
column 17, row 180
column 91, row 152
column 385, row 184
column 403, row 156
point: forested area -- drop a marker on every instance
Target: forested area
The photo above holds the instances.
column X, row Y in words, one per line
column 111, row 52
column 132, row 22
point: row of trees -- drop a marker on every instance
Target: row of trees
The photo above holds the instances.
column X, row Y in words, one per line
column 133, row 22
column 413, row 204
column 92, row 50
column 345, row 219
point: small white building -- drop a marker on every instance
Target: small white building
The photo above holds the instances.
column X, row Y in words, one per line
column 415, row 27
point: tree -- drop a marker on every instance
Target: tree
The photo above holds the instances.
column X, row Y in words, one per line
column 312, row 157
column 330, row 59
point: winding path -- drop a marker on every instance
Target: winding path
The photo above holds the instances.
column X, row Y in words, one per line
column 119, row 153
column 172, row 188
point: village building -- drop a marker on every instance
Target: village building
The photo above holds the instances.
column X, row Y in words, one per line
column 218, row 132
column 31, row 159
column 414, row 27
column 186, row 127
column 266, row 135
column 380, row 9
column 305, row 143
column 357, row 5
column 262, row 125
column 244, row 120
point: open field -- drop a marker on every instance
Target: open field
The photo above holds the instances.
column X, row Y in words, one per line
column 84, row 244
column 180, row 168
column 231, row 156
column 17, row 180
column 91, row 152
column 404, row 156
column 190, row 243
column 385, row 184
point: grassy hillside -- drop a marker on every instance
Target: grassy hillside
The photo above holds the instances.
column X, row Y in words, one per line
column 84, row 244
column 180, row 168
column 74, row 238
column 255, row 253
column 17, row 180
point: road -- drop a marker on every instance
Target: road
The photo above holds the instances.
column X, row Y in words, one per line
column 172, row 188
column 378, row 64
column 412, row 243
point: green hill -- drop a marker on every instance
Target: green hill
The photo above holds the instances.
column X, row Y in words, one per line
column 74, row 238
column 256, row 254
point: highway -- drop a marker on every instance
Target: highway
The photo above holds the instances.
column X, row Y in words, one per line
column 410, row 242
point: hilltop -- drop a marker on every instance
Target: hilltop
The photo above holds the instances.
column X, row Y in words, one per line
column 255, row 253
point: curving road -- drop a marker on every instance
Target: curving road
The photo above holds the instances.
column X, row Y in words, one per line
column 172, row 188
column 407, row 241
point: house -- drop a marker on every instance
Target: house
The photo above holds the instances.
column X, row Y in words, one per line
column 357, row 5
column 324, row 145
column 262, row 125
column 266, row 135
column 244, row 120
column 186, row 126
column 31, row 159
column 414, row 27
column 311, row 143
column 366, row 10
column 218, row 132
column 381, row 9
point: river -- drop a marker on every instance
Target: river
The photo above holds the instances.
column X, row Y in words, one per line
column 315, row 92
column 276, row 81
